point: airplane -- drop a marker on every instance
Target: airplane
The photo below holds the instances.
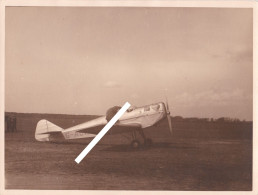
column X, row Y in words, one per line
column 134, row 120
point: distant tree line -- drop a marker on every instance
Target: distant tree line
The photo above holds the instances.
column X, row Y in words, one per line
column 218, row 120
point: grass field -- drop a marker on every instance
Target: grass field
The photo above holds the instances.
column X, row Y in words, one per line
column 200, row 156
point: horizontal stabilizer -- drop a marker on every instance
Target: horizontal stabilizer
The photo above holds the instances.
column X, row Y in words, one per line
column 77, row 135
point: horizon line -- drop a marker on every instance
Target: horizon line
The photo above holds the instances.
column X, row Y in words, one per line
column 104, row 115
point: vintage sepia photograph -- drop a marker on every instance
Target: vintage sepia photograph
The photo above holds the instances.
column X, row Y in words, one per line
column 184, row 73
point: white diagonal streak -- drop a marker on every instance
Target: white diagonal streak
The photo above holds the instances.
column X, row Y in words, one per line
column 102, row 133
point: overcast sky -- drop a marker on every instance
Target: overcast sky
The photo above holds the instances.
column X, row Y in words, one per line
column 85, row 60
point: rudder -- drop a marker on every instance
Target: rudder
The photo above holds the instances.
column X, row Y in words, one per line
column 44, row 129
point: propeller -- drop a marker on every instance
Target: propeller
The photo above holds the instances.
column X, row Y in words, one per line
column 168, row 117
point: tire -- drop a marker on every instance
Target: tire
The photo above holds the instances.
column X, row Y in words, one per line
column 135, row 144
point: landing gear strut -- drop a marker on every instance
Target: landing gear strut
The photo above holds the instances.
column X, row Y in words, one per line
column 147, row 141
column 136, row 144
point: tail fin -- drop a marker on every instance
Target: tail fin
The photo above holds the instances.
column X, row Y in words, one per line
column 45, row 128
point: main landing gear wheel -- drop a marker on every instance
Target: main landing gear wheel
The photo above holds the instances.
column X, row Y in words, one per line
column 135, row 144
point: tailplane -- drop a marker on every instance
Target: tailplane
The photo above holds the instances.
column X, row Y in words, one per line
column 45, row 130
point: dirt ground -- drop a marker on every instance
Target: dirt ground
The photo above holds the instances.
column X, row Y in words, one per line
column 200, row 156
